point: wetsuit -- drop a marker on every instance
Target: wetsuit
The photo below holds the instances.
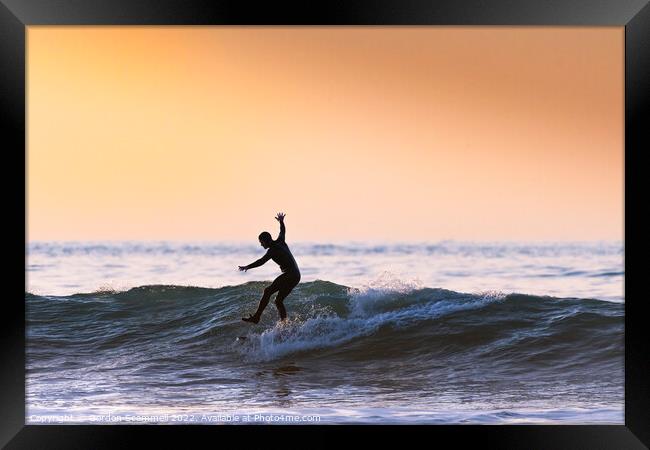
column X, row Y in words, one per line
column 279, row 252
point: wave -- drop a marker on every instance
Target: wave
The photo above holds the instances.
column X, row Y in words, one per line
column 395, row 321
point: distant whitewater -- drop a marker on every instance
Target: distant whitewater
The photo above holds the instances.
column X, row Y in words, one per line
column 397, row 352
column 580, row 269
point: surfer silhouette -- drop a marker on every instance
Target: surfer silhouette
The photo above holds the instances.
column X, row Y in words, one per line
column 279, row 252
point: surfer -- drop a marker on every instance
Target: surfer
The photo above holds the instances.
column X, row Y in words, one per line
column 279, row 252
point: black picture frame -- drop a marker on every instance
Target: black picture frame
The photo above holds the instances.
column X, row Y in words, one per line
column 16, row 15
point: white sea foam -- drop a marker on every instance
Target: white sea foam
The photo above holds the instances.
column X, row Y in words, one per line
column 379, row 303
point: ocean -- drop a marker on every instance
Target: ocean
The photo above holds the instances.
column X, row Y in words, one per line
column 378, row 333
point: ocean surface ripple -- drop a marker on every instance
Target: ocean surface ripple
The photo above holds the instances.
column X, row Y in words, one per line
column 388, row 352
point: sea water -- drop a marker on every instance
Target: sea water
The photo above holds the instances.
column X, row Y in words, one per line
column 440, row 332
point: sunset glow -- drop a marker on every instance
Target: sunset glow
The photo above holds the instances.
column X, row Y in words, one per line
column 380, row 133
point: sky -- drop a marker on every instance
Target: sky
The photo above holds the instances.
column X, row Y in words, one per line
column 356, row 133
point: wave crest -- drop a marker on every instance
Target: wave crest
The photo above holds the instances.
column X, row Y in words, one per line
column 389, row 318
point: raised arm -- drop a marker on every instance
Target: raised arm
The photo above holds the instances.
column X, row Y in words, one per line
column 257, row 263
column 283, row 229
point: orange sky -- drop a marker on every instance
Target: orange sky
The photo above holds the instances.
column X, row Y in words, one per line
column 398, row 133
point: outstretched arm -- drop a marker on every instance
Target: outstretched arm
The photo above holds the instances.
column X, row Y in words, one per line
column 257, row 263
column 283, row 229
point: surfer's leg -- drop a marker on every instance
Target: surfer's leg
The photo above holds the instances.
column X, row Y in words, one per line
column 266, row 296
column 279, row 303
column 286, row 289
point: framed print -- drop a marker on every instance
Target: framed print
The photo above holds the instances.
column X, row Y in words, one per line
column 333, row 219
